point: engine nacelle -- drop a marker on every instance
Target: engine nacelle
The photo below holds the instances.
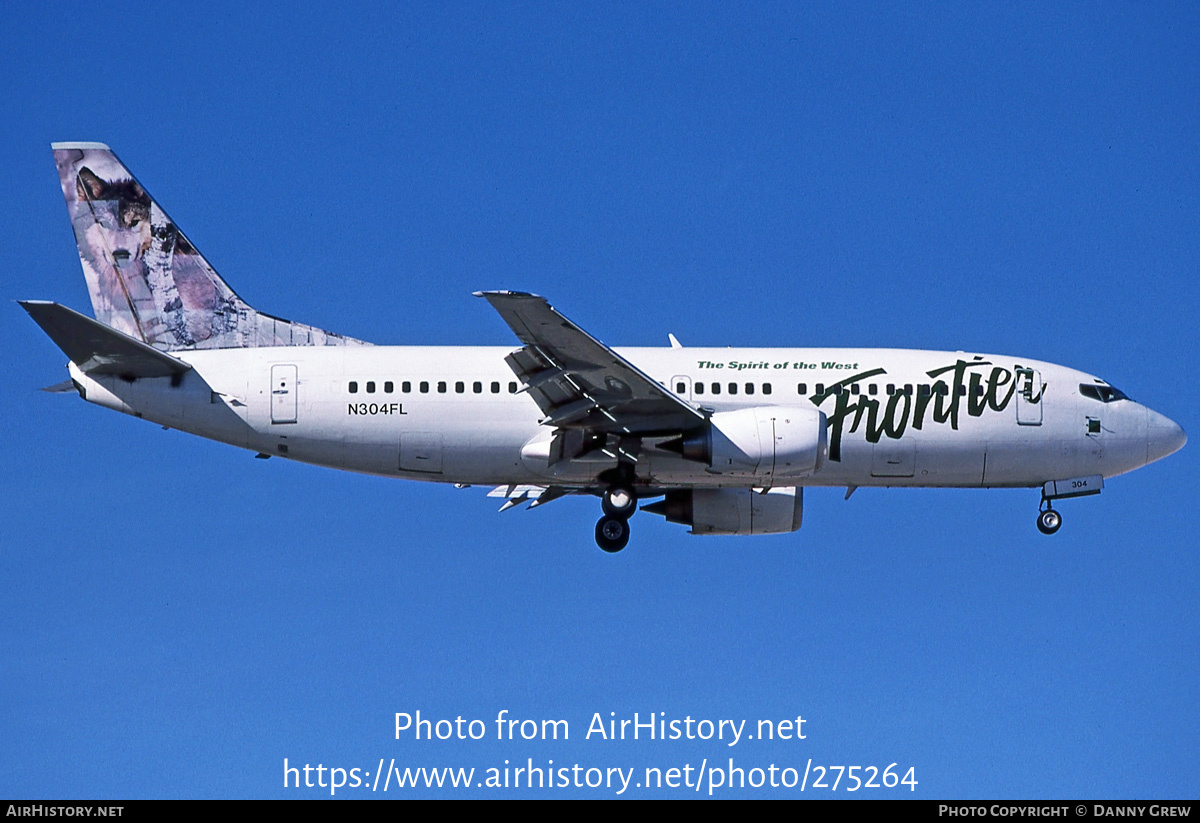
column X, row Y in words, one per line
column 733, row 511
column 764, row 441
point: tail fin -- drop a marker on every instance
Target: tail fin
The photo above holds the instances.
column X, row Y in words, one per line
column 144, row 277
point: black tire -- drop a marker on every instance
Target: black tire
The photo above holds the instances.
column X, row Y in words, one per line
column 1049, row 521
column 619, row 500
column 612, row 534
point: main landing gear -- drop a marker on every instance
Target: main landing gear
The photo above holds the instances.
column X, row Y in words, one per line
column 619, row 503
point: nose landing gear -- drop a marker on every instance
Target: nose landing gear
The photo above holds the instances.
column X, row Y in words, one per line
column 1049, row 521
column 619, row 503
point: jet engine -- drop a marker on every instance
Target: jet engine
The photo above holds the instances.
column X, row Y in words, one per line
column 733, row 511
column 763, row 441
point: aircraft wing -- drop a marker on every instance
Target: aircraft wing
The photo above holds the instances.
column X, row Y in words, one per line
column 581, row 384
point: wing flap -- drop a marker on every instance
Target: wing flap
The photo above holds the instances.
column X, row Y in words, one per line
column 98, row 349
column 536, row 496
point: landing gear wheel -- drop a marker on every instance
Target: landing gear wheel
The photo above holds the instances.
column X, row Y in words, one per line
column 1049, row 521
column 619, row 500
column 612, row 533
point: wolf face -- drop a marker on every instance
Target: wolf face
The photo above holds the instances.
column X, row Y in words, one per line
column 122, row 210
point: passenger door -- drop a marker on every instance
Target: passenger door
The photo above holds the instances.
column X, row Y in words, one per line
column 283, row 394
column 1029, row 397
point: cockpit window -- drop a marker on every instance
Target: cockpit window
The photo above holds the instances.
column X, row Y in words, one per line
column 1105, row 394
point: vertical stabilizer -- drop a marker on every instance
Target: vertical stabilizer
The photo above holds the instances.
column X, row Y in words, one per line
column 144, row 277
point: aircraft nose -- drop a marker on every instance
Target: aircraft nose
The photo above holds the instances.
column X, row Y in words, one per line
column 1163, row 436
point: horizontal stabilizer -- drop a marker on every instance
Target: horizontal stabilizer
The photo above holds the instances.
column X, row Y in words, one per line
column 97, row 349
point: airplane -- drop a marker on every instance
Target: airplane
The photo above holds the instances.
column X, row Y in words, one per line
column 724, row 440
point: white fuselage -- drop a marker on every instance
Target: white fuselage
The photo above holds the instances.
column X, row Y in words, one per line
column 453, row 414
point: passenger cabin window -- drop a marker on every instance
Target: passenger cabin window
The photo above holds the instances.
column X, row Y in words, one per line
column 424, row 387
column 406, row 387
column 353, row 387
column 512, row 387
column 1105, row 394
column 477, row 387
column 389, row 387
column 873, row 388
column 802, row 388
column 460, row 387
column 495, row 387
column 680, row 387
column 766, row 388
column 370, row 387
column 441, row 387
column 749, row 388
column 699, row 387
column 716, row 388
column 733, row 388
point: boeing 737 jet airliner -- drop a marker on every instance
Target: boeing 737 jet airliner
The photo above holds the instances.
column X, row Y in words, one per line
column 725, row 439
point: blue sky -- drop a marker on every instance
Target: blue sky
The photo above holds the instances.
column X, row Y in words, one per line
column 176, row 618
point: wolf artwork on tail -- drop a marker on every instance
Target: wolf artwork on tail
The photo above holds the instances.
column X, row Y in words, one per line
column 144, row 277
